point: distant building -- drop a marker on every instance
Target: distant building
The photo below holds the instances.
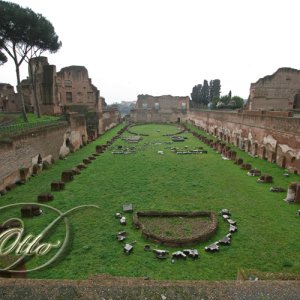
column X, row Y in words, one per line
column 160, row 109
column 280, row 91
column 8, row 101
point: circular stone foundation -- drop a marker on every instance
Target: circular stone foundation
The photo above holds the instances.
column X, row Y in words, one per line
column 176, row 229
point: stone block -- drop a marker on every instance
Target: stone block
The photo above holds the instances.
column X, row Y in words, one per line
column 127, row 207
column 265, row 179
column 246, row 166
column 45, row 197
column 67, row 176
column 57, row 186
column 254, row 172
column 239, row 161
column 30, row 210
column 81, row 166
column 86, row 161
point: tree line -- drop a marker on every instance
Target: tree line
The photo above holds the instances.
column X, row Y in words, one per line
column 25, row 34
column 209, row 95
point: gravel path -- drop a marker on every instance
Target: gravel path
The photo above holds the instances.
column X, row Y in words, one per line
column 107, row 287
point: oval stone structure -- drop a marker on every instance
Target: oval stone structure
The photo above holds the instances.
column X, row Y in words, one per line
column 176, row 229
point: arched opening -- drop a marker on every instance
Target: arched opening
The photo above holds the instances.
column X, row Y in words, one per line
column 264, row 153
column 237, row 142
column 293, row 160
column 283, row 163
column 296, row 104
column 68, row 143
column 249, row 146
column 228, row 139
column 273, row 158
column 255, row 149
column 178, row 120
column 215, row 131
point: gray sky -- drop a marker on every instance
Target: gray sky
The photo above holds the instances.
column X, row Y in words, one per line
column 161, row 47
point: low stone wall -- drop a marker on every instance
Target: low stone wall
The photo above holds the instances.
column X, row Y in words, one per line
column 20, row 153
column 266, row 135
column 110, row 118
column 209, row 231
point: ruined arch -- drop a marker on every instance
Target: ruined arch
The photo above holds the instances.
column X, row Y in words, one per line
column 255, row 149
column 248, row 146
column 264, row 153
column 283, row 162
column 68, row 143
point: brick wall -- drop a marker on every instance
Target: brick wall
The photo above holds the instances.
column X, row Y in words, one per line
column 276, row 139
column 22, row 150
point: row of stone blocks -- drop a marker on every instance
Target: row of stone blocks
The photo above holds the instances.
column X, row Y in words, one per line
column 31, row 210
column 293, row 193
column 231, row 154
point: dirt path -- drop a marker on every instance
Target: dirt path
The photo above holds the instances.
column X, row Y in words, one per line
column 108, row 287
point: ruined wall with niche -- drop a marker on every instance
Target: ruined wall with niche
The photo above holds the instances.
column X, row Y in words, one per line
column 59, row 91
column 276, row 139
column 279, row 91
column 22, row 150
column 159, row 109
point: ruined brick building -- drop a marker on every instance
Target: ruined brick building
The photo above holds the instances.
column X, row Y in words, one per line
column 69, row 90
column 7, row 98
column 279, row 91
column 59, row 91
column 160, row 109
column 268, row 127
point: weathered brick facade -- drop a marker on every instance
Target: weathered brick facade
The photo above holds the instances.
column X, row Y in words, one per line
column 274, row 138
column 59, row 91
column 159, row 109
column 8, row 100
column 23, row 150
column 280, row 91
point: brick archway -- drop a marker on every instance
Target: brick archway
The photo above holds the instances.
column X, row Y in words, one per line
column 248, row 146
column 255, row 149
column 283, row 162
column 264, row 153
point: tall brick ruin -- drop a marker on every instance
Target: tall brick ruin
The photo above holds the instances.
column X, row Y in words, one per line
column 57, row 92
column 279, row 91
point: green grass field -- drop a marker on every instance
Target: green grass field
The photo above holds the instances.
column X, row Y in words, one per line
column 268, row 228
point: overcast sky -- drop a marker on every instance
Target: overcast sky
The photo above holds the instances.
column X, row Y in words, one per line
column 162, row 47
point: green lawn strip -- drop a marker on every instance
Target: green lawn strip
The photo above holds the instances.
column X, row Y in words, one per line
column 267, row 226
